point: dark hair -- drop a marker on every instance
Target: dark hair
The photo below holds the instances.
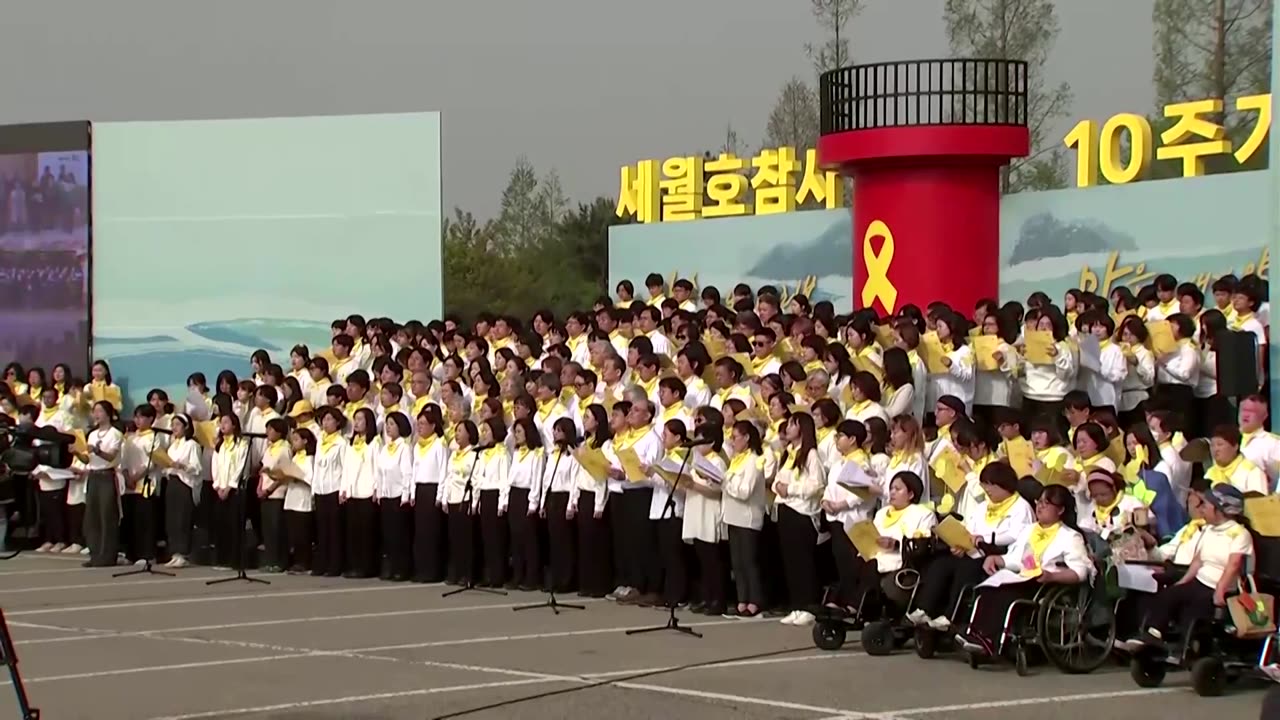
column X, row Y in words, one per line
column 370, row 423
column 568, row 431
column 532, row 437
column 913, row 483
column 401, row 421
column 497, row 429
column 308, row 440
column 603, row 432
column 473, row 435
column 808, row 439
column 106, row 370
column 433, row 414
column 1095, row 433
column 279, row 425
column 1061, row 498
column 866, row 384
column 1000, row 475
column 897, row 368
column 752, row 433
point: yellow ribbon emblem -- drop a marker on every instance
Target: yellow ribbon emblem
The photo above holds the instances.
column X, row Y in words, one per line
column 878, row 286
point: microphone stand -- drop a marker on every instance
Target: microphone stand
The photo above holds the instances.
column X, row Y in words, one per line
column 241, row 512
column 668, row 512
column 551, row 601
column 468, row 495
column 147, row 482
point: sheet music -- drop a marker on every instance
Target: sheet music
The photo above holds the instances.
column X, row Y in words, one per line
column 707, row 469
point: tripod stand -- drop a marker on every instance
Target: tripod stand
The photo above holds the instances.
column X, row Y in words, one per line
column 9, row 658
column 468, row 494
column 242, row 487
column 669, row 511
column 148, row 491
column 551, row 601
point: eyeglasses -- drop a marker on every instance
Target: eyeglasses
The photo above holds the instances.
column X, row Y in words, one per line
column 760, row 344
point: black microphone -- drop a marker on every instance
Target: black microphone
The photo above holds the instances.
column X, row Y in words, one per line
column 481, row 448
column 162, row 431
column 259, row 436
column 697, row 442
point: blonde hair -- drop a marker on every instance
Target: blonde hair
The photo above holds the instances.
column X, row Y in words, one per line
column 909, row 425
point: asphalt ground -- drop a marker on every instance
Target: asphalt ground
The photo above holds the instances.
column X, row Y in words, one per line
column 137, row 648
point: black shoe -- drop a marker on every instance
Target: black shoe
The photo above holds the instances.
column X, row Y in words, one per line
column 511, row 585
column 317, row 573
column 650, row 600
column 352, row 575
column 526, row 588
column 333, row 574
column 776, row 612
column 698, row 608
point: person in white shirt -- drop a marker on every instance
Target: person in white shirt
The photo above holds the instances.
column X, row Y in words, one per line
column 1044, row 385
column 957, row 381
column 865, row 391
column 744, row 508
column 52, row 481
column 271, row 494
column 703, row 524
column 799, row 486
column 356, row 494
column 589, row 498
column 321, row 380
column 326, row 486
column 182, row 489
column 1230, row 467
column 392, row 490
column 491, row 498
column 1259, row 446
column 1250, row 317
column 431, row 462
column 996, row 388
column 1178, row 371
column 843, row 508
column 1219, row 562
column 1140, row 372
column 637, row 499
column 529, row 490
column 689, row 368
column 102, row 508
column 230, row 464
column 140, row 485
column 1104, row 384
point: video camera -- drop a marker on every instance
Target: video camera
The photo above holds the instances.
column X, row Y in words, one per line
column 24, row 447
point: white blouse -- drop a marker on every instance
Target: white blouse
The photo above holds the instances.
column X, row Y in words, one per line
column 272, row 455
column 805, row 485
column 431, row 463
column 702, row 513
column 297, row 495
column 526, row 472
column 916, row 521
column 1004, row 530
column 228, row 463
column 571, row 471
column 187, row 467
column 393, row 470
column 743, row 500
column 328, row 466
column 462, row 468
column 358, row 469
column 494, row 473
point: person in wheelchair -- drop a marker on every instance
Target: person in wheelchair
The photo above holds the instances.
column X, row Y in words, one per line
column 1215, row 570
column 901, row 520
column 994, row 525
column 1114, row 515
column 1050, row 551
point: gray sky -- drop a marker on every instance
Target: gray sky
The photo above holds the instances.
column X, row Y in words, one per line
column 583, row 86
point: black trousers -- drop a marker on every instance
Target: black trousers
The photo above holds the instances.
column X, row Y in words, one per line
column 461, row 543
column 616, row 514
column 845, row 556
column 799, row 539
column 493, row 536
column 1050, row 409
column 1180, row 605
column 1180, row 399
column 205, row 528
column 594, row 574
column 560, row 540
column 228, row 530
column 526, row 555
column 328, row 514
column 362, row 537
column 299, row 525
column 142, row 540
column 127, row 537
column 675, row 574
column 642, row 552
column 180, row 508
column 993, row 605
column 744, row 558
column 771, row 571
column 944, row 579
column 275, row 536
column 394, row 523
column 429, row 542
column 53, row 515
column 713, row 574
column 102, row 518
column 75, row 524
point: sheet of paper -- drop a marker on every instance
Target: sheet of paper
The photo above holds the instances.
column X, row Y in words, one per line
column 160, row 459
column 984, row 351
column 631, row 465
column 707, row 469
column 1021, row 456
column 670, row 470
column 947, row 468
column 954, row 534
column 1160, row 338
column 1038, row 344
column 854, row 477
column 1090, row 352
column 594, row 462
column 864, row 536
column 931, row 349
column 1137, row 577
column 1003, row 577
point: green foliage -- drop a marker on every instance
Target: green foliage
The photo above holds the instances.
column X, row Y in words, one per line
column 538, row 253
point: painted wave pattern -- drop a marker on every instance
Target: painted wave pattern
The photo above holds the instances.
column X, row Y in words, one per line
column 165, row 360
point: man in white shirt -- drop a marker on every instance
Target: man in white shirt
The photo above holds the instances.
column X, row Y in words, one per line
column 649, row 321
column 1259, row 446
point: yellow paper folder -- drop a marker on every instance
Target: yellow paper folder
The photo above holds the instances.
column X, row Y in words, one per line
column 1039, row 344
column 1160, row 338
column 864, row 536
column 984, row 352
column 954, row 534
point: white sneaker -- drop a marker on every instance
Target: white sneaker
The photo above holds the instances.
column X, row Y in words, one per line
column 918, row 617
column 139, row 563
column 58, row 547
column 72, row 549
column 790, row 619
column 940, row 623
column 45, row 548
column 85, row 551
column 804, row 618
column 179, row 562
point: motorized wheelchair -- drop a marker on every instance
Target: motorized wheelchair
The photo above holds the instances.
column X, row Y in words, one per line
column 882, row 624
column 1213, row 649
column 1059, row 622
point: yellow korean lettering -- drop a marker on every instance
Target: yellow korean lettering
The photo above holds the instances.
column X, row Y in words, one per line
column 823, row 187
column 638, row 192
column 726, row 185
column 1113, row 168
column 1083, row 138
column 1189, row 124
column 681, row 188
column 1258, row 135
column 775, row 180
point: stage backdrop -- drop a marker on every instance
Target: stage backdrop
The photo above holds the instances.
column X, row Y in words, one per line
column 216, row 238
column 1093, row 238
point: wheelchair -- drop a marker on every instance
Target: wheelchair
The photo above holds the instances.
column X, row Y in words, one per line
column 1055, row 623
column 881, row 632
column 1210, row 649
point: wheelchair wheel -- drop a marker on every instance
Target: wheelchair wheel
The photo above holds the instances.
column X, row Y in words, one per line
column 1208, row 677
column 877, row 638
column 1147, row 670
column 926, row 643
column 1064, row 633
column 828, row 635
column 1020, row 665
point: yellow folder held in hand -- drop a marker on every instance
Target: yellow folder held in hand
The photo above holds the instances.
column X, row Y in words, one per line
column 1021, row 456
column 931, row 349
column 1039, row 347
column 985, row 348
column 595, row 463
column 1160, row 338
column 205, row 432
column 864, row 536
column 631, row 465
column 160, row 459
column 81, row 444
column 949, row 469
column 955, row 534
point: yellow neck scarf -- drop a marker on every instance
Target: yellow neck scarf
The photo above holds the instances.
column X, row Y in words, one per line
column 328, row 440
column 997, row 510
column 893, row 516
column 1041, row 538
column 359, row 444
column 1219, row 474
column 545, row 409
column 300, row 456
column 1189, row 530
column 824, row 433
column 425, row 443
column 1101, row 513
column 275, row 447
column 669, row 413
